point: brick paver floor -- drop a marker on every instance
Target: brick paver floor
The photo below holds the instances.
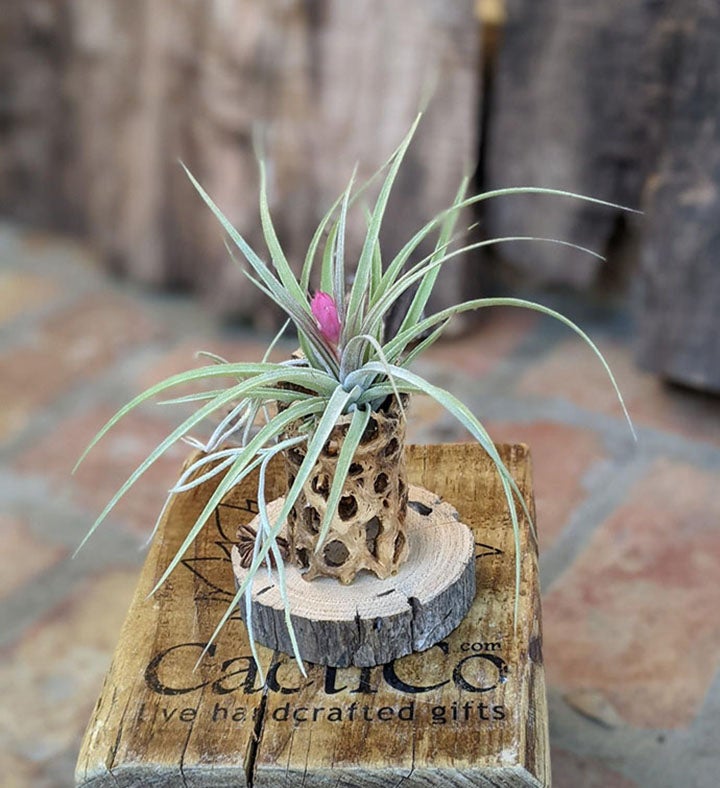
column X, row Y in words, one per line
column 630, row 534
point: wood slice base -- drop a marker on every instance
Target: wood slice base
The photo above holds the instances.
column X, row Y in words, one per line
column 372, row 621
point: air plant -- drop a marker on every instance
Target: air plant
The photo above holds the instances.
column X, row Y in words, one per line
column 348, row 367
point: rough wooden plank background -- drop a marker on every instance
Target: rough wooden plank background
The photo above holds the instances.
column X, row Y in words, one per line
column 618, row 100
column 471, row 710
column 100, row 99
column 680, row 282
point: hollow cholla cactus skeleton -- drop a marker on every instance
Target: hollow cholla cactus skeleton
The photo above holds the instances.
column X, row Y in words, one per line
column 368, row 529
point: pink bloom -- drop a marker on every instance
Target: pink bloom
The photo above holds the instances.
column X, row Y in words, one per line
column 325, row 312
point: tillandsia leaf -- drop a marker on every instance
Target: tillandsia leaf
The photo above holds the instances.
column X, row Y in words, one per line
column 258, row 265
column 255, row 407
column 263, row 532
column 268, row 284
column 211, row 356
column 376, row 275
column 208, row 458
column 232, row 422
column 339, row 267
column 194, row 442
column 370, row 340
column 251, row 467
column 312, row 343
column 402, row 340
column 310, row 339
column 326, row 270
column 419, row 302
column 198, row 396
column 358, row 421
column 293, row 300
column 358, row 291
column 376, row 270
column 407, row 381
column 398, row 263
column 335, row 407
column 266, row 531
column 201, row 396
column 287, row 277
column 377, row 393
column 314, row 245
column 276, row 339
column 397, row 266
column 424, row 344
column 317, row 236
column 313, row 379
column 196, row 482
column 276, row 376
column 466, row 418
column 426, row 267
column 237, row 472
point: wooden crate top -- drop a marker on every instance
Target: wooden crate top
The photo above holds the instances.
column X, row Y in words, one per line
column 469, row 711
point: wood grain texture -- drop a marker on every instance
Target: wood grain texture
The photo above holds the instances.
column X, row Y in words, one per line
column 101, row 98
column 469, row 711
column 680, row 283
column 372, row 621
column 580, row 98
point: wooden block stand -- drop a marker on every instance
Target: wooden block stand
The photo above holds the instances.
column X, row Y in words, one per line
column 469, row 711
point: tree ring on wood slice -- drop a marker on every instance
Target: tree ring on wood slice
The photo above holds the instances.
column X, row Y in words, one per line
column 372, row 621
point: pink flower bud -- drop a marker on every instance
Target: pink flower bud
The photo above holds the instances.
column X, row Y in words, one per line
column 325, row 312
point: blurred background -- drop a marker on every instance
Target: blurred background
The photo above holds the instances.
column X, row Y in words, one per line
column 112, row 274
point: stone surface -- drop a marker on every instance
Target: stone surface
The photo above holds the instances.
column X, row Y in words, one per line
column 476, row 352
column 18, row 772
column 562, row 456
column 32, row 555
column 20, row 292
column 593, row 705
column 635, row 617
column 68, row 348
column 573, row 373
column 574, row 771
column 106, row 468
column 52, row 674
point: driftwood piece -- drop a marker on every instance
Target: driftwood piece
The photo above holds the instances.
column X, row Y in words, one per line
column 679, row 327
column 580, row 98
column 371, row 621
column 469, row 711
column 617, row 100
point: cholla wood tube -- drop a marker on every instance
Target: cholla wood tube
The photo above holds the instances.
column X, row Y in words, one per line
column 368, row 528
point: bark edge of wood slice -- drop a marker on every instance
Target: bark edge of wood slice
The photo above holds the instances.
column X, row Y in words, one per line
column 372, row 621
